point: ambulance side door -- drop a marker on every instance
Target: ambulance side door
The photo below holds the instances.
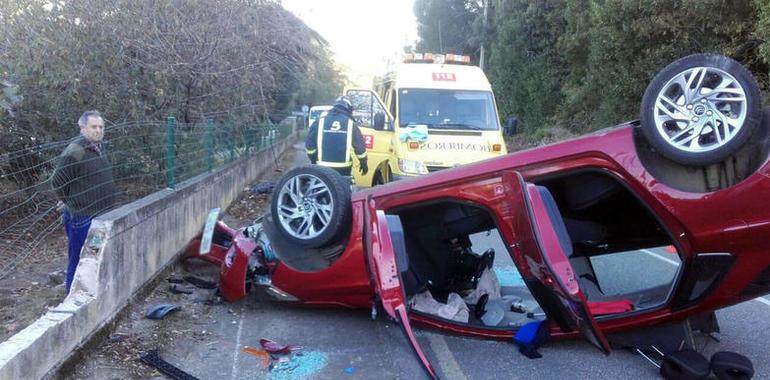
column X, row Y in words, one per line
column 366, row 107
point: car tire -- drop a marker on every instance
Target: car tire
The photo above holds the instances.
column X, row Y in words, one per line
column 700, row 109
column 311, row 206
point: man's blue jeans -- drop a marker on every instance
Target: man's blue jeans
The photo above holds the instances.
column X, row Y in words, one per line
column 76, row 228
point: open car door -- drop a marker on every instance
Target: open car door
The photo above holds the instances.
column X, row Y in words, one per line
column 387, row 259
column 540, row 250
column 376, row 126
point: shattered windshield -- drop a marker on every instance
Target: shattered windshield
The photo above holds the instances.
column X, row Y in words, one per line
column 447, row 109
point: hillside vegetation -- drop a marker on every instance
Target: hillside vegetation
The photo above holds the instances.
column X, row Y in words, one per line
column 565, row 67
column 134, row 60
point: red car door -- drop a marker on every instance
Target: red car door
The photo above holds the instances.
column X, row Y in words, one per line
column 385, row 266
column 539, row 252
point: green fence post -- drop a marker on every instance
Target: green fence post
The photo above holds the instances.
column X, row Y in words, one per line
column 232, row 142
column 261, row 137
column 170, row 152
column 209, row 144
column 252, row 136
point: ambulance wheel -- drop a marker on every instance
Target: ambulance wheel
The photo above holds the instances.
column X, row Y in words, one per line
column 311, row 206
column 701, row 109
column 377, row 179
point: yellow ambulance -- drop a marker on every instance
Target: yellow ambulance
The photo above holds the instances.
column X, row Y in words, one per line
column 431, row 113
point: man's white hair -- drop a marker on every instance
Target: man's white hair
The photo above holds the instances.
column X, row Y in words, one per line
column 83, row 121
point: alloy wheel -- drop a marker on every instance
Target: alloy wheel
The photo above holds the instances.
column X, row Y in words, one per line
column 700, row 109
column 305, row 206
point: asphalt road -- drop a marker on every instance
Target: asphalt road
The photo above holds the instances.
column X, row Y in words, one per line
column 349, row 344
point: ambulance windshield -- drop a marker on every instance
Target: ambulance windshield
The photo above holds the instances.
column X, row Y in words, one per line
column 447, row 109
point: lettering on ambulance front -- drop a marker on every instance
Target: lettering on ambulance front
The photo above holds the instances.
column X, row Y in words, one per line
column 449, row 145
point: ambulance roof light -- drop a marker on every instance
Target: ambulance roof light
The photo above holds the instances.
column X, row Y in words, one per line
column 436, row 58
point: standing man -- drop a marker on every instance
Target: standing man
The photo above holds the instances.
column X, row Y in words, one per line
column 331, row 137
column 83, row 182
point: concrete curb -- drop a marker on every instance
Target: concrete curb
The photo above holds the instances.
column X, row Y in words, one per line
column 125, row 249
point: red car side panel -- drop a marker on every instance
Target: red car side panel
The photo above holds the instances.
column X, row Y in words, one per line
column 345, row 283
column 232, row 272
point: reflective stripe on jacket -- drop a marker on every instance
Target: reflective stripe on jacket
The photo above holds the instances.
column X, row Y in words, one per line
column 332, row 138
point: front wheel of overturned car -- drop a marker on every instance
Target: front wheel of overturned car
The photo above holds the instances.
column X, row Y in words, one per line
column 311, row 206
column 701, row 109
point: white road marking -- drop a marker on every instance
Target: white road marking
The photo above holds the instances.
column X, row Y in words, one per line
column 764, row 301
column 676, row 263
column 237, row 350
column 446, row 359
column 659, row 257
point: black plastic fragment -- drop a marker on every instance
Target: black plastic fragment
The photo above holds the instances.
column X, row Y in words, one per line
column 263, row 188
column 200, row 283
column 179, row 290
column 153, row 359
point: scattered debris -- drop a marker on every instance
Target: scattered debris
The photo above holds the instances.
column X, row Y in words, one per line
column 262, row 188
column 209, row 301
column 277, row 348
column 261, row 354
column 117, row 337
column 298, row 366
column 179, row 289
column 201, row 283
column 175, row 280
column 530, row 337
column 350, row 370
column 56, row 277
column 160, row 311
column 152, row 358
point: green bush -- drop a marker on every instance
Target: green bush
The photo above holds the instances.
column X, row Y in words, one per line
column 582, row 65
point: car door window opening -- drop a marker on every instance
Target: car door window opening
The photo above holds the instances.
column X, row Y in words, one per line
column 609, row 226
column 605, row 224
column 450, row 245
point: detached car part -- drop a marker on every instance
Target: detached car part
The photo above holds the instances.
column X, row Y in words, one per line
column 731, row 366
column 152, row 358
column 160, row 311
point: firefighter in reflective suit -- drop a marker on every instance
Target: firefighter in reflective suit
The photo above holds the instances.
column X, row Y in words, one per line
column 331, row 138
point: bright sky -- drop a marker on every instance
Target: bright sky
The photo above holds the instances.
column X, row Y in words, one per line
column 363, row 34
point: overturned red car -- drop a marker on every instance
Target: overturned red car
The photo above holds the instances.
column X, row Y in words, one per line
column 485, row 249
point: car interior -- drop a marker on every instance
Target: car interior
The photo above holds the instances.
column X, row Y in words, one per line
column 624, row 259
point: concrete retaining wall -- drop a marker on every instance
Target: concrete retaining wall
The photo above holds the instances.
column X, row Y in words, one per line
column 125, row 249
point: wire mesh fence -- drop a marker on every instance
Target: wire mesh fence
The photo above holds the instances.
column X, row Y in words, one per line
column 143, row 157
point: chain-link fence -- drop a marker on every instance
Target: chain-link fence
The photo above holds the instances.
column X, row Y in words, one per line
column 143, row 157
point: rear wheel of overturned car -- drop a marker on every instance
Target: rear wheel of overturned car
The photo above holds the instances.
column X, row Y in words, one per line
column 701, row 109
column 311, row 206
